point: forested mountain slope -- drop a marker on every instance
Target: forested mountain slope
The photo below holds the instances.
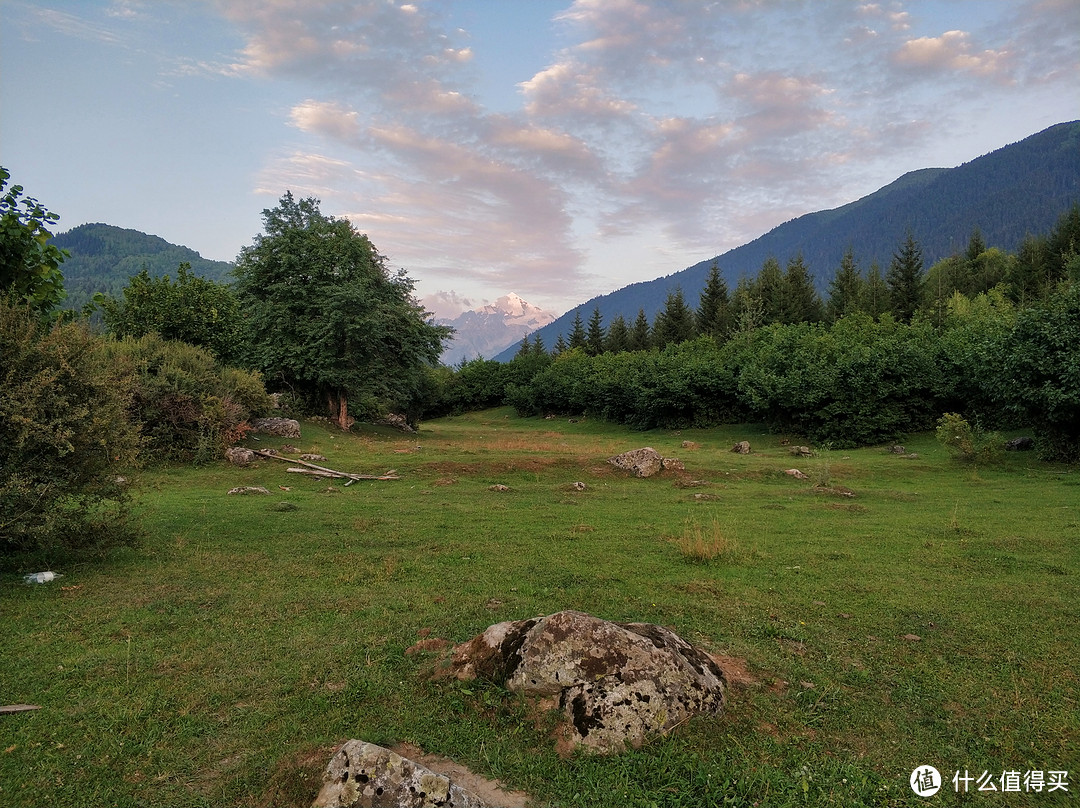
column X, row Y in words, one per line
column 104, row 257
column 1020, row 189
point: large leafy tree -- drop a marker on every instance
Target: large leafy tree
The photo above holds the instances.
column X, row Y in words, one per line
column 29, row 264
column 326, row 317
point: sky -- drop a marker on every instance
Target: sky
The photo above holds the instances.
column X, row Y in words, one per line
column 559, row 150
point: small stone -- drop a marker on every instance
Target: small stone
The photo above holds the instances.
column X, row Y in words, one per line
column 578, row 486
column 801, row 451
column 742, row 447
column 912, row 637
column 897, row 450
column 245, row 490
column 798, row 475
column 500, row 488
column 312, row 458
column 689, row 444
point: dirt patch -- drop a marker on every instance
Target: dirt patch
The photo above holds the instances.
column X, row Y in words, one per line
column 488, row 790
column 736, row 671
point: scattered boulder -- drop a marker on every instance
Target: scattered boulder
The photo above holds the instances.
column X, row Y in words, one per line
column 798, row 475
column 616, row 683
column 500, row 488
column 801, row 451
column 363, row 775
column 645, row 462
column 1023, row 444
column 397, row 421
column 672, row 464
column 245, row 490
column 897, row 450
column 689, row 444
column 312, row 458
column 742, row 447
column 239, row 456
column 578, row 486
column 281, row 427
column 288, row 448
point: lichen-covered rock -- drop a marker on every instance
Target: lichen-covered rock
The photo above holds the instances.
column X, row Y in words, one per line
column 282, row 427
column 313, row 458
column 742, row 447
column 672, row 464
column 245, row 490
column 642, row 462
column 616, row 683
column 239, row 456
column 363, row 775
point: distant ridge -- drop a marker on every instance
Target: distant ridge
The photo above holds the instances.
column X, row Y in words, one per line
column 1018, row 190
column 104, row 257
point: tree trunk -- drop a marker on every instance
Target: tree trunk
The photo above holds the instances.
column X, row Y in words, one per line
column 337, row 403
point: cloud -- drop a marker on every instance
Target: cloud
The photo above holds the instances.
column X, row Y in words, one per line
column 951, row 52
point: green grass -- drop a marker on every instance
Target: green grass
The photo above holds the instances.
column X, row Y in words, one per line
column 222, row 662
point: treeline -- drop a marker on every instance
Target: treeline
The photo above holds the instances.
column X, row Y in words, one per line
column 993, row 335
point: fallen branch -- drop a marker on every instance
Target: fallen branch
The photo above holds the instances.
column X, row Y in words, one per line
column 322, row 471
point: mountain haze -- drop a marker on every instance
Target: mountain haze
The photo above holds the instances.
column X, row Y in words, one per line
column 490, row 329
column 1021, row 189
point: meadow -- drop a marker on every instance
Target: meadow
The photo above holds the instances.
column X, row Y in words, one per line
column 889, row 612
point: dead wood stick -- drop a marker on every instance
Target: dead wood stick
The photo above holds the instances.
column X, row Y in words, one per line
column 352, row 478
column 343, row 474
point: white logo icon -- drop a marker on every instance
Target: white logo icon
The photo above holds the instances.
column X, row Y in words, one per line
column 925, row 781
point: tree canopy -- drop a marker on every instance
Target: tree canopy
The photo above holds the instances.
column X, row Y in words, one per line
column 29, row 264
column 327, row 318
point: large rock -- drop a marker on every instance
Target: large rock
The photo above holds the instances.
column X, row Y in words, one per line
column 239, row 456
column 616, row 683
column 282, row 427
column 364, row 775
column 645, row 462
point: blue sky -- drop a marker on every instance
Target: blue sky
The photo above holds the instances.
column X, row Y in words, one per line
column 559, row 150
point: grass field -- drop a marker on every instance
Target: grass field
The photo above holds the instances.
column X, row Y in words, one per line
column 222, row 662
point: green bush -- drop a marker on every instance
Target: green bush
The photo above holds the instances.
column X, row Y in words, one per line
column 967, row 443
column 1039, row 378
column 189, row 406
column 64, row 434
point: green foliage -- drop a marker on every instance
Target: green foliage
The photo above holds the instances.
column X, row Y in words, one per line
column 967, row 443
column 188, row 406
column 29, row 264
column 845, row 289
column 713, row 317
column 64, row 435
column 194, row 310
column 1039, row 377
column 595, row 335
column 799, row 302
column 326, row 317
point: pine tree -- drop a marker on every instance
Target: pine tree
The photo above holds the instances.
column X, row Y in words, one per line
column 675, row 323
column 769, row 288
column 538, row 347
column 594, row 337
column 560, row 345
column 577, row 332
column 845, row 290
column 640, row 334
column 800, row 301
column 904, row 279
column 746, row 306
column 524, row 349
column 875, row 294
column 713, row 317
column 618, row 335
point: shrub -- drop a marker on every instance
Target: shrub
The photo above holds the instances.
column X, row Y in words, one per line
column 1039, row 378
column 965, row 442
column 189, row 407
column 64, row 434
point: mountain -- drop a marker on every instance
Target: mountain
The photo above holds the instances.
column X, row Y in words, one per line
column 104, row 257
column 1021, row 189
column 489, row 329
